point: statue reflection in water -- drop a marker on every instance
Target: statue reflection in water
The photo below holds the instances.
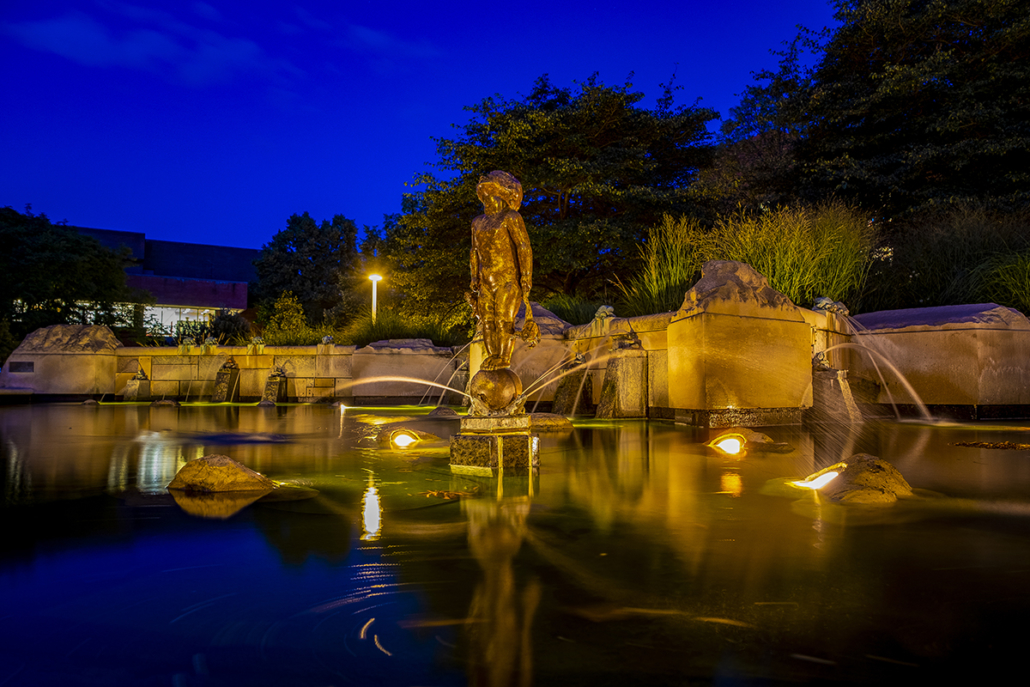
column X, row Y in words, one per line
column 500, row 618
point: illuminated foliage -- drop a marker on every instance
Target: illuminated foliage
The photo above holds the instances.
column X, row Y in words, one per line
column 596, row 170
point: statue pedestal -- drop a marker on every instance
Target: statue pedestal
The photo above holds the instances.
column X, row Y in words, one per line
column 495, row 442
column 226, row 385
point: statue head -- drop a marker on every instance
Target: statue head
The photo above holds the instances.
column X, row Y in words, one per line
column 503, row 186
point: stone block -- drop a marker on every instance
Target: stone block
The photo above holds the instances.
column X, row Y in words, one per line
column 164, row 389
column 495, row 450
column 297, row 365
column 339, row 364
column 732, row 362
column 165, row 372
column 624, row 392
column 968, row 355
column 658, row 378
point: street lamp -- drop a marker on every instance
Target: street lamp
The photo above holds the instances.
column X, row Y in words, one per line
column 375, row 282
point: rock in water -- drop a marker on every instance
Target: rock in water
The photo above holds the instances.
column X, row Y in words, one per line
column 217, row 473
column 863, row 478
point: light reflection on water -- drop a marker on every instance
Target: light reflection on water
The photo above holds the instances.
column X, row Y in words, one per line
column 636, row 554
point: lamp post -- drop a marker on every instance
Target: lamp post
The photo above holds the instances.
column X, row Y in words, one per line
column 375, row 282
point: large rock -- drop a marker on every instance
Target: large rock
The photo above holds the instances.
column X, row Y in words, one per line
column 865, row 479
column 70, row 338
column 217, row 473
column 735, row 288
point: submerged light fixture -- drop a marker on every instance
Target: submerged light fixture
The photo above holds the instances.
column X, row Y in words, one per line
column 817, row 482
column 729, row 444
column 402, row 438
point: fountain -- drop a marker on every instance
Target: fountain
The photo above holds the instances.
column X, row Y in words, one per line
column 496, row 433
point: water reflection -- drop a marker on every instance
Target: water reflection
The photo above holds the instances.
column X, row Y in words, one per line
column 637, row 550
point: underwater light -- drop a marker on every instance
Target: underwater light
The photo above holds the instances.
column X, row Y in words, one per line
column 729, row 444
column 403, row 439
column 817, row 483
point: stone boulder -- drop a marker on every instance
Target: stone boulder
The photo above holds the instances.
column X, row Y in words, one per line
column 863, row 479
column 735, row 288
column 70, row 338
column 217, row 473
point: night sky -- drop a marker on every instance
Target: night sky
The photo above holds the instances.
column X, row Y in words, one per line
column 212, row 122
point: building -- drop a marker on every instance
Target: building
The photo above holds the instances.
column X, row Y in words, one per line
column 190, row 281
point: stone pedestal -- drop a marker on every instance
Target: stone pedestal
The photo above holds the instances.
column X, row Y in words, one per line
column 624, row 392
column 495, row 442
column 137, row 390
column 226, row 386
column 274, row 389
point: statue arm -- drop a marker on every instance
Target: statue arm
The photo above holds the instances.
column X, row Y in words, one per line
column 520, row 237
column 474, row 267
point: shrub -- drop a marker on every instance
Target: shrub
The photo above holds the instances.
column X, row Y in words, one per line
column 1005, row 280
column 572, row 309
column 391, row 325
column 940, row 258
column 671, row 260
column 287, row 325
column 803, row 252
column 232, row 328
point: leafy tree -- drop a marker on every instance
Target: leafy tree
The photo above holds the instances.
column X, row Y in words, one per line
column 51, row 274
column 307, row 259
column 596, row 170
column 913, row 104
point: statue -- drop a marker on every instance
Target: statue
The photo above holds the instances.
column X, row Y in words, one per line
column 502, row 276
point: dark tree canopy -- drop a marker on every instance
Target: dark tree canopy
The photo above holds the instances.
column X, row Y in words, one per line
column 912, row 105
column 596, row 169
column 307, row 259
column 51, row 274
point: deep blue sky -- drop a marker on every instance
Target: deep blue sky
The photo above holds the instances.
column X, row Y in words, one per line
column 212, row 122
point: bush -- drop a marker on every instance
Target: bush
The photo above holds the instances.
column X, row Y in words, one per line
column 672, row 258
column 941, row 258
column 391, row 325
column 230, row 328
column 572, row 309
column 287, row 325
column 1005, row 280
column 803, row 252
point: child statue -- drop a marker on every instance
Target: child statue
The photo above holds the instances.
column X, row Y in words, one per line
column 502, row 268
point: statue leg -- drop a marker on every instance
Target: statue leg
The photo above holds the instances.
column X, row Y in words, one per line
column 509, row 298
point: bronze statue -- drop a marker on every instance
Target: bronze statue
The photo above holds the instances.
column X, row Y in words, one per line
column 502, row 276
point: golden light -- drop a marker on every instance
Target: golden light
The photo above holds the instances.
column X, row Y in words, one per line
column 817, row 483
column 371, row 512
column 729, row 444
column 375, row 282
column 403, row 439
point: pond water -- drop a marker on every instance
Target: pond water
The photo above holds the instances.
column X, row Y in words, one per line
column 636, row 554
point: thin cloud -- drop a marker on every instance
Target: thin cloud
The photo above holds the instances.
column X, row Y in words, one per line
column 196, row 56
column 364, row 39
column 206, row 11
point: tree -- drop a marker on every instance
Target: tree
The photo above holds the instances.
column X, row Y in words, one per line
column 596, row 170
column 307, row 259
column 54, row 275
column 914, row 105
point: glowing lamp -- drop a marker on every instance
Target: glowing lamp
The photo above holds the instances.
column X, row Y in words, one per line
column 729, row 444
column 403, row 439
column 375, row 282
column 817, row 483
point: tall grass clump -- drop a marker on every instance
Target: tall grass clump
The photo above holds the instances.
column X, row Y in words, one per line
column 1005, row 280
column 287, row 325
column 671, row 261
column 361, row 331
column 572, row 309
column 804, row 252
column 946, row 258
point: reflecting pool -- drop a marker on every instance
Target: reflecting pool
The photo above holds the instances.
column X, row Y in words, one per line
column 636, row 554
